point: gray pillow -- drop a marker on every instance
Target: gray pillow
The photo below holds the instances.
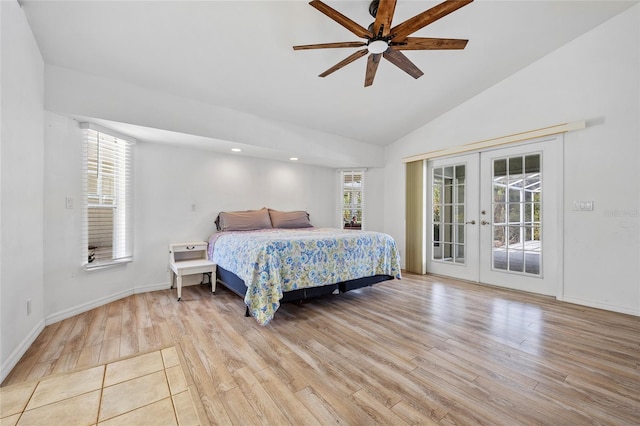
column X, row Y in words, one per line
column 248, row 220
column 295, row 219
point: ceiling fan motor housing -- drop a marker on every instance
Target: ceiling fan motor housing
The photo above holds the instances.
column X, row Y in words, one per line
column 373, row 7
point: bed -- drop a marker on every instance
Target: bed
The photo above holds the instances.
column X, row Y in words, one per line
column 291, row 260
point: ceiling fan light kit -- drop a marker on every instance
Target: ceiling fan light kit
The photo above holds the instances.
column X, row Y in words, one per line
column 384, row 40
column 377, row 46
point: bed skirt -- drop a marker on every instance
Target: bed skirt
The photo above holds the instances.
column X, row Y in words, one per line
column 236, row 285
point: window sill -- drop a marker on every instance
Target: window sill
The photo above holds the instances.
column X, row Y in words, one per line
column 104, row 265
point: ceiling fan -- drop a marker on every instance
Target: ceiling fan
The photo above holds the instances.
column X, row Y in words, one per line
column 383, row 40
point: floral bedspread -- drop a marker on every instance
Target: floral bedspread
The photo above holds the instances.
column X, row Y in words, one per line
column 271, row 261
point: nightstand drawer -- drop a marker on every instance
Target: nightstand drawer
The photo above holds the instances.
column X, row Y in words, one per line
column 182, row 247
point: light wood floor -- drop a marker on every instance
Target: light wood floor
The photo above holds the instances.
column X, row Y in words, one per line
column 423, row 350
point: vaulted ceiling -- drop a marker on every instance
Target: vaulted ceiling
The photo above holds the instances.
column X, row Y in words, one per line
column 238, row 55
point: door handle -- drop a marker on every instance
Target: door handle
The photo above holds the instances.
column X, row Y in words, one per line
column 484, row 222
column 471, row 222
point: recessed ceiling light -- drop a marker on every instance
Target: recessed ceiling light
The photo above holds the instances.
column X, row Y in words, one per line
column 236, row 150
column 293, row 158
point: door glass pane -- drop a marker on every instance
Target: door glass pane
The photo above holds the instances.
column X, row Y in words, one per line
column 499, row 191
column 499, row 214
column 448, row 214
column 514, row 237
column 514, row 213
column 498, row 236
column 437, row 176
column 436, row 234
column 448, row 193
column 516, row 260
column 459, row 214
column 448, row 175
column 517, row 220
column 448, row 235
column 532, row 263
column 528, row 213
column 515, row 166
column 459, row 253
column 499, row 248
column 499, row 168
column 446, row 252
column 448, row 204
column 514, row 192
column 459, row 176
column 437, row 245
column 532, row 163
column 460, row 194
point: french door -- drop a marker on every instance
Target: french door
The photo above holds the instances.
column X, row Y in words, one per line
column 452, row 234
column 495, row 216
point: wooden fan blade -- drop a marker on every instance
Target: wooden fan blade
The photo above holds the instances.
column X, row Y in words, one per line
column 424, row 43
column 372, row 67
column 330, row 45
column 352, row 26
column 399, row 60
column 384, row 15
column 399, row 32
column 347, row 61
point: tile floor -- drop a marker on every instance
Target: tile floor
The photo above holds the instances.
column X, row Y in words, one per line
column 145, row 389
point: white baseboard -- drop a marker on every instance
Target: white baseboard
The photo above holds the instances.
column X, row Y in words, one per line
column 18, row 352
column 68, row 313
column 151, row 287
column 600, row 305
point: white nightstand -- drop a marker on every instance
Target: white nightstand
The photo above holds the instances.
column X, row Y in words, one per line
column 187, row 259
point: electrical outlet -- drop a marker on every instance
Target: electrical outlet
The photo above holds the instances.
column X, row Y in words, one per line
column 69, row 202
column 28, row 307
column 193, row 207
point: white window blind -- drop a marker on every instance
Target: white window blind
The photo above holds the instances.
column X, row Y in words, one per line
column 107, row 196
column 352, row 199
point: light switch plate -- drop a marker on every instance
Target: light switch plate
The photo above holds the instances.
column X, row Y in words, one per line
column 583, row 206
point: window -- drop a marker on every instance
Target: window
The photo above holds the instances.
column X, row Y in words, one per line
column 352, row 199
column 107, row 196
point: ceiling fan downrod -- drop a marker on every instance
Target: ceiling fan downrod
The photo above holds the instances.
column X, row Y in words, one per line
column 373, row 11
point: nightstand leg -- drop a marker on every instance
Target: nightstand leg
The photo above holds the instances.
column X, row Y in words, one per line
column 179, row 279
column 171, row 278
column 213, row 281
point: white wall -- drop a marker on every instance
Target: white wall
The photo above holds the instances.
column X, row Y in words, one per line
column 595, row 78
column 168, row 181
column 21, row 152
column 374, row 199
